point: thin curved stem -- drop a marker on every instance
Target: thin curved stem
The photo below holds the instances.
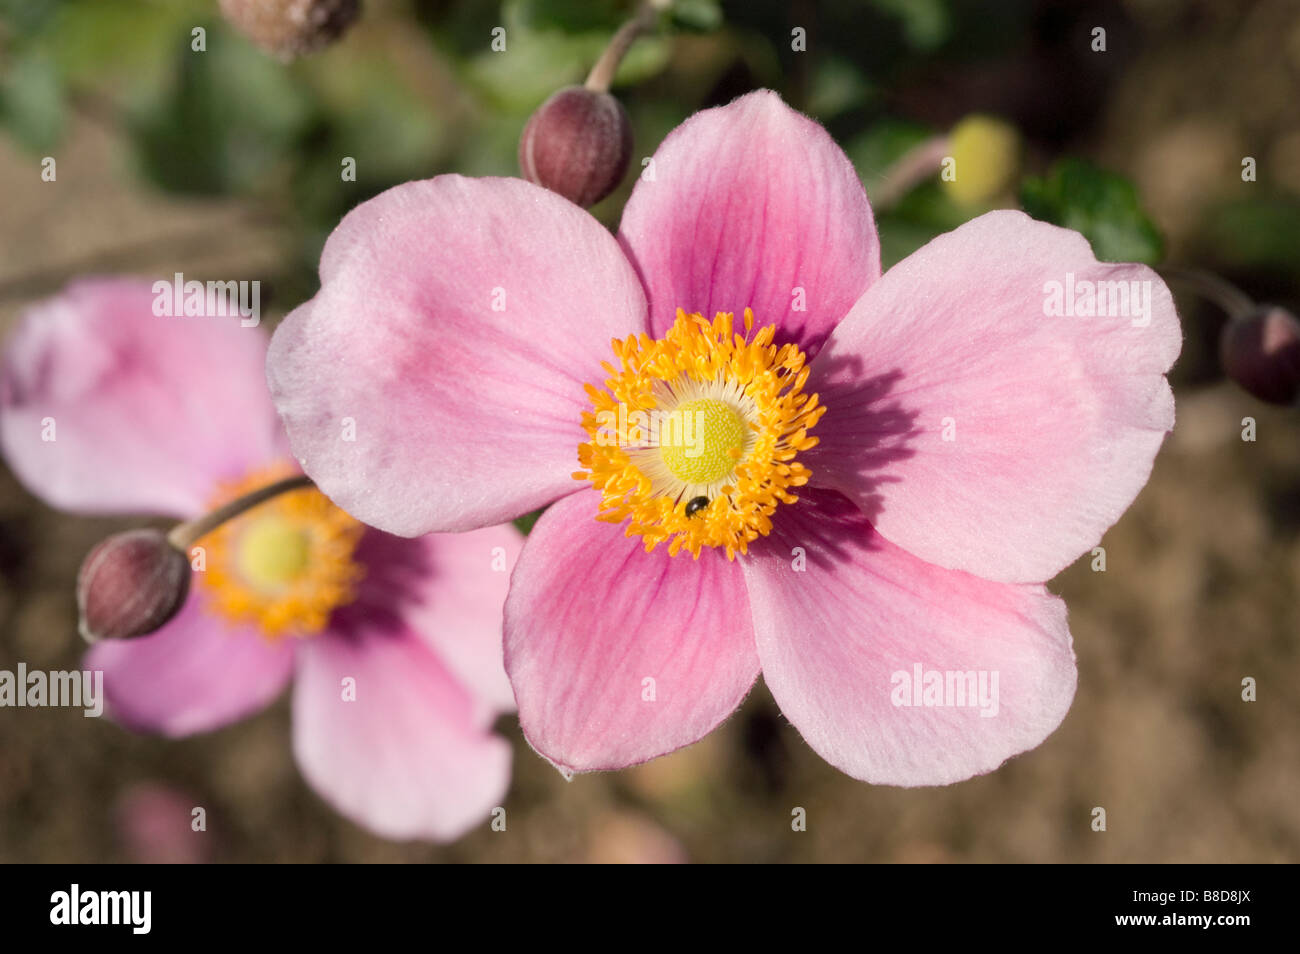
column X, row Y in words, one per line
column 1222, row 292
column 602, row 74
column 909, row 170
column 185, row 535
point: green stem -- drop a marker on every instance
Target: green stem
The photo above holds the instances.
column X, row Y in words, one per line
column 1222, row 292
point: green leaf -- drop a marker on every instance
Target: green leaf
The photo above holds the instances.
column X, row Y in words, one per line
column 26, row 17
column 702, row 16
column 837, row 86
column 874, row 151
column 31, row 103
column 647, row 57
column 539, row 58
column 121, row 44
column 900, row 236
column 1255, row 233
column 574, row 16
column 527, row 521
column 231, row 118
column 533, row 64
column 926, row 23
column 384, row 111
column 1100, row 204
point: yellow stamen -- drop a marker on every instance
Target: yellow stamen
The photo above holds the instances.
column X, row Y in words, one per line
column 283, row 566
column 703, row 412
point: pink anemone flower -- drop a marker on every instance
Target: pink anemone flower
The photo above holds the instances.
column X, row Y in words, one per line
column 394, row 645
column 859, row 493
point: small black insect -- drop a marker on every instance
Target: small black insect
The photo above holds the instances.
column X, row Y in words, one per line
column 695, row 505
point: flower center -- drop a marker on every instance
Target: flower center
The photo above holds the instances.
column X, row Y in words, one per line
column 709, row 437
column 694, row 439
column 273, row 552
column 285, row 565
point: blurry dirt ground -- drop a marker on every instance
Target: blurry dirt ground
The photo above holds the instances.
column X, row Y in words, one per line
column 1200, row 590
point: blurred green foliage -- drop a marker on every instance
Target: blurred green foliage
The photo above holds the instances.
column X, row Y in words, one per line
column 1100, row 204
column 1258, row 233
column 224, row 121
column 526, row 523
column 417, row 89
column 31, row 102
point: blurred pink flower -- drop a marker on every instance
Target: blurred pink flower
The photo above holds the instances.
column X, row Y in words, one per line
column 622, row 837
column 156, row 824
column 394, row 645
column 952, row 443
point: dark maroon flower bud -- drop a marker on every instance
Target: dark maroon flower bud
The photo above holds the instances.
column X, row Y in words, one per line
column 1261, row 352
column 289, row 28
column 578, row 144
column 131, row 584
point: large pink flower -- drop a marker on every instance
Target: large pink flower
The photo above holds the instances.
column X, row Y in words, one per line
column 394, row 645
column 963, row 447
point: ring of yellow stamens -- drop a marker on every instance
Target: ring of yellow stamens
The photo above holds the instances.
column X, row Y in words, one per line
column 285, row 565
column 704, row 412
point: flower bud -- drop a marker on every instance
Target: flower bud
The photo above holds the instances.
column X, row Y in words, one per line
column 289, row 28
column 131, row 584
column 1261, row 352
column 986, row 154
column 578, row 143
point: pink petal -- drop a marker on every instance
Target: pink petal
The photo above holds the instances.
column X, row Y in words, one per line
column 618, row 655
column 449, row 589
column 409, row 756
column 149, row 412
column 195, row 674
column 753, row 204
column 975, row 431
column 833, row 636
column 463, row 415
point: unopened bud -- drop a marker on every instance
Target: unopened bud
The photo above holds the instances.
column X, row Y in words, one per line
column 986, row 151
column 131, row 584
column 289, row 28
column 578, row 143
column 1261, row 352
